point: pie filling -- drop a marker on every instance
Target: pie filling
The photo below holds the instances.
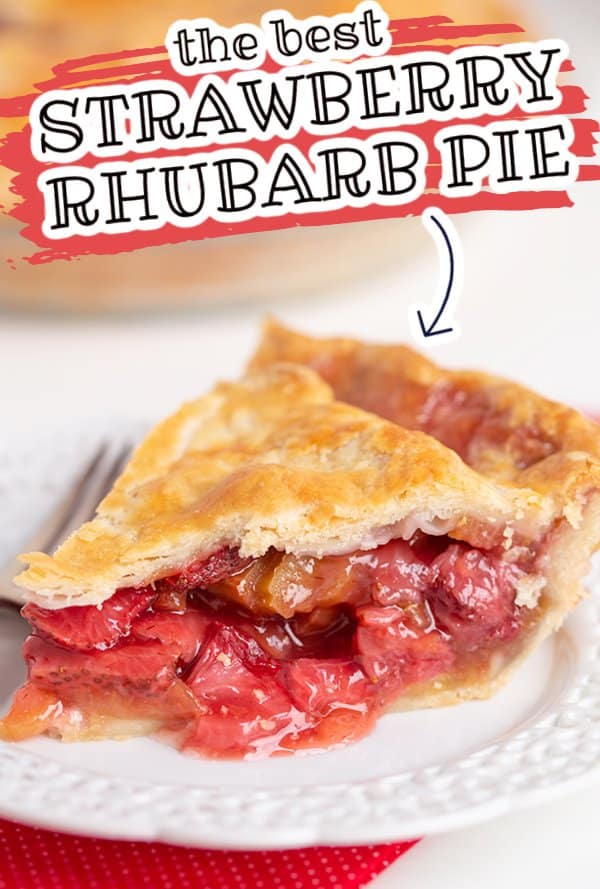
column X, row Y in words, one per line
column 248, row 657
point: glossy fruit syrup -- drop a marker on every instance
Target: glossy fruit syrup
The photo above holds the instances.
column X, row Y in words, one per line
column 251, row 657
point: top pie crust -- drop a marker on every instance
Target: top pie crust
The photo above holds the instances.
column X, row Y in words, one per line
column 275, row 461
column 537, row 443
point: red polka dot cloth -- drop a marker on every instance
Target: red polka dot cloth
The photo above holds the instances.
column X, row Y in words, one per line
column 42, row 859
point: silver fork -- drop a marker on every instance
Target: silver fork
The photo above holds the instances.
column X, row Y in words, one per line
column 78, row 504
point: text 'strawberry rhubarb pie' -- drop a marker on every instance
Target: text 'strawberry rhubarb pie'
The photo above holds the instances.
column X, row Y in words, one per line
column 276, row 568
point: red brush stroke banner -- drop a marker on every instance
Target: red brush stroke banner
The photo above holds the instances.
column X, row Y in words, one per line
column 147, row 64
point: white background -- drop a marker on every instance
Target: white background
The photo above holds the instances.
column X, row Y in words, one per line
column 530, row 309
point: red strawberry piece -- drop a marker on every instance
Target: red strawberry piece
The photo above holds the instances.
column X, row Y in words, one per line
column 399, row 575
column 131, row 681
column 202, row 572
column 319, row 686
column 394, row 653
column 86, row 627
column 246, row 710
column 183, row 634
column 473, row 595
column 231, row 666
column 140, row 668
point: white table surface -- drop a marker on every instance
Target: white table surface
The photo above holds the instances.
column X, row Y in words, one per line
column 530, row 309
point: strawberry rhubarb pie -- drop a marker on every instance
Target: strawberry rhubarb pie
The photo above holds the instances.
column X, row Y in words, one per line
column 275, row 568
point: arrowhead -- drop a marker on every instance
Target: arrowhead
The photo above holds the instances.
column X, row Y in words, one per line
column 428, row 331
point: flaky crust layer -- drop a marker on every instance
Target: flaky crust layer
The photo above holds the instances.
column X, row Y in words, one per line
column 275, row 461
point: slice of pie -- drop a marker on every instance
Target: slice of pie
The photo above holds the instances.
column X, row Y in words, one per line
column 275, row 568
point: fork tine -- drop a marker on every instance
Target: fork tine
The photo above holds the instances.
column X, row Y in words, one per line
column 119, row 465
column 77, row 506
column 98, row 484
column 52, row 527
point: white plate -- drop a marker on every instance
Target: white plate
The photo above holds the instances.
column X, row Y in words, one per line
column 418, row 773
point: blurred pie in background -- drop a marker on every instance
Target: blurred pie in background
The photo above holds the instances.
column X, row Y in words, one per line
column 36, row 34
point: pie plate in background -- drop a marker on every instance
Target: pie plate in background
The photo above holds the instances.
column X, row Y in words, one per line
column 35, row 35
column 418, row 773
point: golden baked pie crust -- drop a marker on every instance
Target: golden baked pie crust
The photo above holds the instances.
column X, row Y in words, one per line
column 275, row 461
